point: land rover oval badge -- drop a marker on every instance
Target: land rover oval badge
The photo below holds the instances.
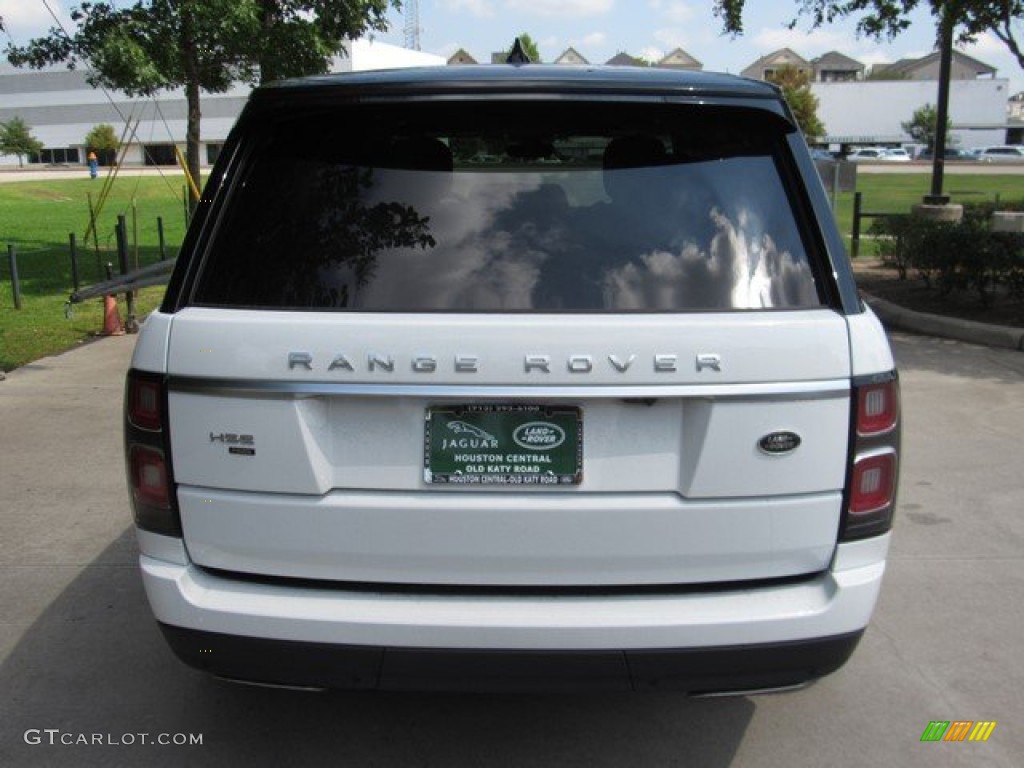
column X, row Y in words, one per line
column 779, row 443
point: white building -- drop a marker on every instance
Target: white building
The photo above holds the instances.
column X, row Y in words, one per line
column 871, row 111
column 60, row 107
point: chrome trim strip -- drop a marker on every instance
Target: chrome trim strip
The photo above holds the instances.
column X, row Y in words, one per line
column 789, row 390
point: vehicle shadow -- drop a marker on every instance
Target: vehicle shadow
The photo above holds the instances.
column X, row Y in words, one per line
column 94, row 668
column 955, row 358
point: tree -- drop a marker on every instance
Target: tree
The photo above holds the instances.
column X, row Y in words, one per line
column 923, row 124
column 887, row 18
column 796, row 88
column 202, row 45
column 529, row 47
column 103, row 141
column 16, row 139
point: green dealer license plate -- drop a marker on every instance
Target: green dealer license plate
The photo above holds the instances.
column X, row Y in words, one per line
column 510, row 444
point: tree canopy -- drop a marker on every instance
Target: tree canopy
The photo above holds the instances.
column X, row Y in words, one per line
column 103, row 141
column 887, row 18
column 202, row 45
column 796, row 88
column 16, row 139
column 923, row 125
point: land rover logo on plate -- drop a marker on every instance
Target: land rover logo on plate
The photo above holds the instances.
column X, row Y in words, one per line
column 779, row 443
column 539, row 436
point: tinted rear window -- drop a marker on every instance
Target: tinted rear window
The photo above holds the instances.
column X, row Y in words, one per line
column 511, row 207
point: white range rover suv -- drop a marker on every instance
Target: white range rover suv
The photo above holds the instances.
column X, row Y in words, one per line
column 514, row 377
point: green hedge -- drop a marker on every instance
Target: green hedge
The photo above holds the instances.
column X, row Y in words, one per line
column 957, row 257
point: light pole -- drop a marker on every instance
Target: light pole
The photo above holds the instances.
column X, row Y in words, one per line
column 936, row 206
column 939, row 151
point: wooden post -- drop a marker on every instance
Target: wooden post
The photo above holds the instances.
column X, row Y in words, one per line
column 95, row 234
column 855, row 236
column 135, row 234
column 12, row 259
column 131, row 325
column 835, row 185
column 74, row 260
column 160, row 234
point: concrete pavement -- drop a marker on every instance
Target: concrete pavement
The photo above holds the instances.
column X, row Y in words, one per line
column 80, row 655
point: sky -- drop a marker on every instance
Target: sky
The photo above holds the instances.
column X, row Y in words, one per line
column 599, row 29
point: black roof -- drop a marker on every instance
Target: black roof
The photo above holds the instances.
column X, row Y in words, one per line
column 528, row 78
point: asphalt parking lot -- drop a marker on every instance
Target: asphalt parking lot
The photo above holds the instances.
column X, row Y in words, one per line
column 81, row 659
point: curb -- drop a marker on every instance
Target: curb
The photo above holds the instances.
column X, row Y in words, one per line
column 893, row 316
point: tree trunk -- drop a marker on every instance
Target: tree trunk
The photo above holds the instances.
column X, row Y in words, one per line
column 192, row 140
column 190, row 61
column 269, row 19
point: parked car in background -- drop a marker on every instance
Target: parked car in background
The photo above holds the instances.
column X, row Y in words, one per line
column 1010, row 153
column 896, row 155
column 866, row 155
column 951, row 153
column 817, row 153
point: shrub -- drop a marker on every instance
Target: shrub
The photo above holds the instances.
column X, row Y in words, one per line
column 956, row 257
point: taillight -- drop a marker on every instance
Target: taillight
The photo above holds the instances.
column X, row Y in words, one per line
column 874, row 457
column 143, row 403
column 877, row 408
column 148, row 455
column 874, row 483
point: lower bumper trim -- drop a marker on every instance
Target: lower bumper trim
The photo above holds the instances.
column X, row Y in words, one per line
column 698, row 671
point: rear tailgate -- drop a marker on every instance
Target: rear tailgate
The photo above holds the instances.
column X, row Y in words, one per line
column 299, row 445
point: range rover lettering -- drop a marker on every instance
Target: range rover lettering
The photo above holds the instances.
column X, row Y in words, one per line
column 514, row 377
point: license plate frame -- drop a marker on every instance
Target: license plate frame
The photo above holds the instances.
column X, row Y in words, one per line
column 503, row 444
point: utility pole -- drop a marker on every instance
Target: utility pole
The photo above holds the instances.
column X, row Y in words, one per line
column 936, row 206
column 942, row 117
column 412, row 24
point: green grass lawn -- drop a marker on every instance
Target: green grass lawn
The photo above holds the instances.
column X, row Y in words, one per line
column 896, row 193
column 36, row 216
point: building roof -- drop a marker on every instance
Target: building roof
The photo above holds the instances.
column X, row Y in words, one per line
column 462, row 56
column 570, row 56
column 679, row 59
column 776, row 59
column 834, row 61
column 622, row 59
column 907, row 66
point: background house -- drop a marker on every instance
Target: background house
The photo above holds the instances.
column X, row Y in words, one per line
column 679, row 59
column 623, row 59
column 963, row 67
column 461, row 56
column 570, row 56
column 766, row 66
column 835, row 67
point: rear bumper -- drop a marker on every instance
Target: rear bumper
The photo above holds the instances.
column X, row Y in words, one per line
column 751, row 637
column 747, row 668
